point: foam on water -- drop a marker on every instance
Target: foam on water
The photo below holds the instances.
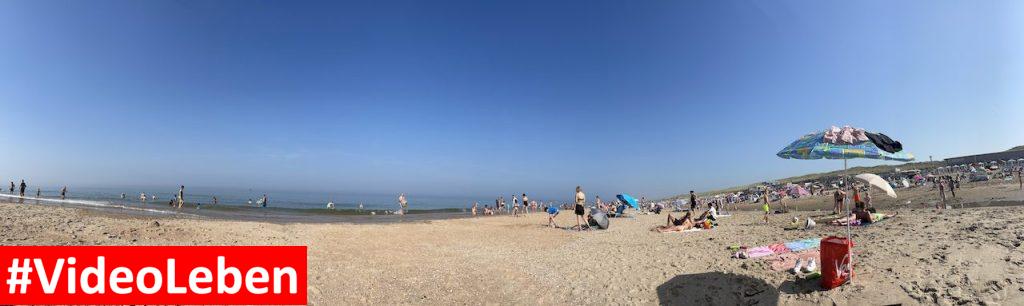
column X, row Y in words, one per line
column 88, row 203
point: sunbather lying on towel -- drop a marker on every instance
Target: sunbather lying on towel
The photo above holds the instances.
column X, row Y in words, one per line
column 676, row 225
column 862, row 216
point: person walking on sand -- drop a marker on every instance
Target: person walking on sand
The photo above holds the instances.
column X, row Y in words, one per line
column 181, row 196
column 403, row 203
column 21, row 188
column 1020, row 177
column 693, row 201
column 526, row 204
column 63, row 192
column 578, row 209
column 515, row 205
column 942, row 194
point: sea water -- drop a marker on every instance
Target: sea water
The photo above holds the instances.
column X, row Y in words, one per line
column 111, row 196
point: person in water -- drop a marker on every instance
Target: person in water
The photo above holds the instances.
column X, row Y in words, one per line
column 21, row 188
column 403, row 203
column 265, row 200
column 39, row 192
column 579, row 210
column 63, row 192
column 181, row 196
column 12, row 187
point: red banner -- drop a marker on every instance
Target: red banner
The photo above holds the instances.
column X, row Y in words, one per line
column 266, row 275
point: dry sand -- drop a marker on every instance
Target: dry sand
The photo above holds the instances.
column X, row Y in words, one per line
column 959, row 256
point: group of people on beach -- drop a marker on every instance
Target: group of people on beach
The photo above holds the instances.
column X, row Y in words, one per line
column 525, row 206
column 22, row 187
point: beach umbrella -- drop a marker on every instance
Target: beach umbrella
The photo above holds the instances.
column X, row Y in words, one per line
column 842, row 143
column 599, row 219
column 628, row 200
column 877, row 181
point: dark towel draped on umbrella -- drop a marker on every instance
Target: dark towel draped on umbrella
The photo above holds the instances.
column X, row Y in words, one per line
column 885, row 143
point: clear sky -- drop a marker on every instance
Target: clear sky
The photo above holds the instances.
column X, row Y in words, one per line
column 491, row 97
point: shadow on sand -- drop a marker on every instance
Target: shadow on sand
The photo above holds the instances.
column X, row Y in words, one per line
column 717, row 288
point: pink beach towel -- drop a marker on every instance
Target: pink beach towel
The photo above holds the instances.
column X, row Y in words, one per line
column 779, row 248
column 759, row 252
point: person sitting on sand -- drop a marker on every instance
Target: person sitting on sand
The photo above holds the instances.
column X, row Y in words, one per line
column 862, row 216
column 710, row 214
column 676, row 225
column 488, row 211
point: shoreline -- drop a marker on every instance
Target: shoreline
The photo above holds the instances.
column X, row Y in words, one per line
column 241, row 213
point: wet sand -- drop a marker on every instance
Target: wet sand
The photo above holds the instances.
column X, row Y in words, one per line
column 923, row 256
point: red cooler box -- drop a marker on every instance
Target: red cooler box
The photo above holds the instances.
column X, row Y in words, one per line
column 836, row 266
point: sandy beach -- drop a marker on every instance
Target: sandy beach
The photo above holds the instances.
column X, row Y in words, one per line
column 957, row 256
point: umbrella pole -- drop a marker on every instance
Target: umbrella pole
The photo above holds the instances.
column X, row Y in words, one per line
column 849, row 210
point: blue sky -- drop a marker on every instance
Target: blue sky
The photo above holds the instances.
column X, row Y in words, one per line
column 485, row 97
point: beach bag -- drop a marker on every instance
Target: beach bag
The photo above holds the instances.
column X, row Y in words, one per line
column 836, row 267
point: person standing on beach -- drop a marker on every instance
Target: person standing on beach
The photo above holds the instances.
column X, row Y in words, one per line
column 766, row 207
column 839, row 196
column 21, row 189
column 942, row 194
column 12, row 187
column 526, row 204
column 39, row 192
column 403, row 203
column 265, row 201
column 515, row 205
column 952, row 187
column 181, row 196
column 578, row 209
column 693, row 201
column 475, row 204
column 1020, row 180
column 63, row 192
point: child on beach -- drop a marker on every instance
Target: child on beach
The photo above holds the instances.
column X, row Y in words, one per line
column 552, row 213
column 766, row 207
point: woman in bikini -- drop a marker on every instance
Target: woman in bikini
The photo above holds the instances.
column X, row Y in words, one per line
column 676, row 225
